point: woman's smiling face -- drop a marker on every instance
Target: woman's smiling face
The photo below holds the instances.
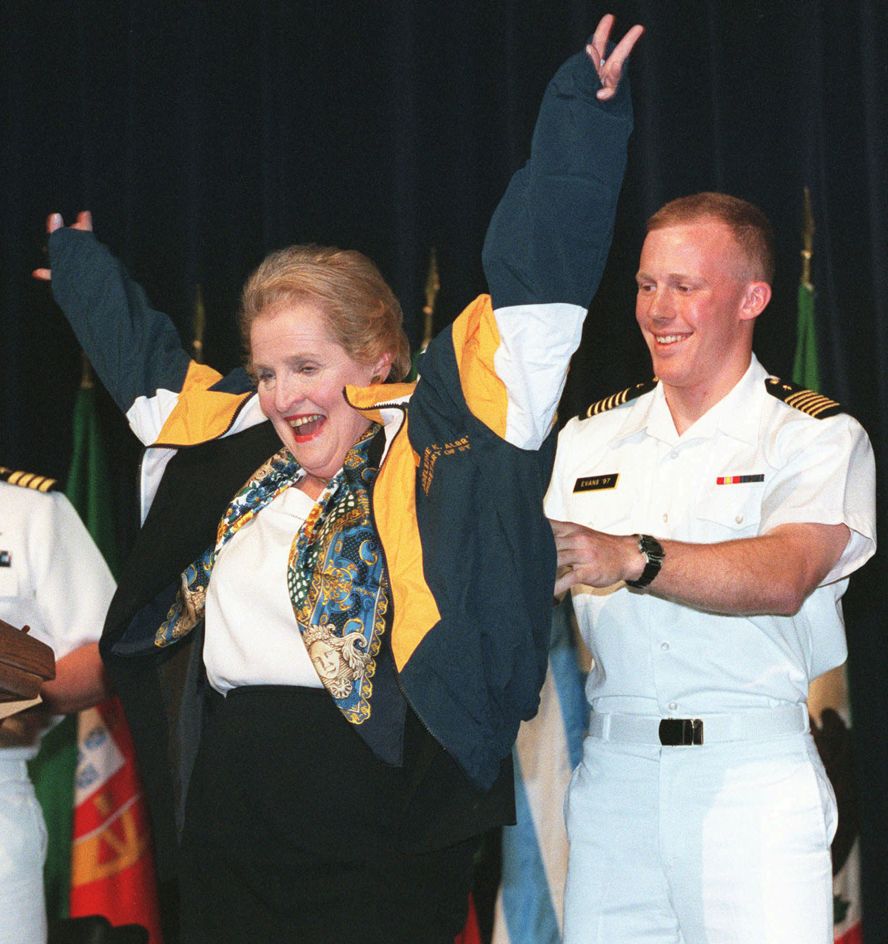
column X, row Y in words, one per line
column 300, row 373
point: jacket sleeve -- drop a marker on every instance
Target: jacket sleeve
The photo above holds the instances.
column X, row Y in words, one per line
column 136, row 350
column 544, row 255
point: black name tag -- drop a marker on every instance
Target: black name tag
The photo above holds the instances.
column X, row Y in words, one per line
column 595, row 483
column 5, row 559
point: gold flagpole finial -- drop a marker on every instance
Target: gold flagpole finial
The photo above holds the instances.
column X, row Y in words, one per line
column 807, row 240
column 433, row 286
column 198, row 326
column 87, row 377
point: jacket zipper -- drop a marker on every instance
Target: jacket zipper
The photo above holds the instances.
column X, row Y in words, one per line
column 400, row 684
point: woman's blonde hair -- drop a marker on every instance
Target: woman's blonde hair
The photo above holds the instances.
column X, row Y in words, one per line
column 362, row 313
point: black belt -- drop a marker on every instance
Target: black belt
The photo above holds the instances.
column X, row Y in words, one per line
column 754, row 724
column 681, row 732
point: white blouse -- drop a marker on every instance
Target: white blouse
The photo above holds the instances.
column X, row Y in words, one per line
column 251, row 632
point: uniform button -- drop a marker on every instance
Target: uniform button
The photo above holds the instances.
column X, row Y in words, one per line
column 673, row 455
column 739, row 519
column 673, row 706
column 664, row 646
column 665, row 517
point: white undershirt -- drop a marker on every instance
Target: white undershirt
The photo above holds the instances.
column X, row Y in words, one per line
column 251, row 632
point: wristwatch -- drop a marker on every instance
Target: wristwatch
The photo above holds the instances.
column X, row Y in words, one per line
column 652, row 552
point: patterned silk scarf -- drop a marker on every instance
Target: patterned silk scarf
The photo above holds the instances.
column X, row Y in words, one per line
column 337, row 584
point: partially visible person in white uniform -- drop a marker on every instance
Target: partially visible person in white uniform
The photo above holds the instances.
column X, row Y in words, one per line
column 729, row 508
column 53, row 579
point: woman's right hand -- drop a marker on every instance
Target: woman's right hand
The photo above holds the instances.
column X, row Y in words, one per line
column 610, row 67
column 53, row 222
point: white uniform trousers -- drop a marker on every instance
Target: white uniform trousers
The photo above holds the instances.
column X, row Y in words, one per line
column 725, row 843
column 22, row 854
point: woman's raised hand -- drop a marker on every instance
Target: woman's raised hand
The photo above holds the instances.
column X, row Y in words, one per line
column 53, row 222
column 610, row 68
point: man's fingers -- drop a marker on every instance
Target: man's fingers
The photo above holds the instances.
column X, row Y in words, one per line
column 84, row 221
column 42, row 275
column 561, row 528
column 564, row 582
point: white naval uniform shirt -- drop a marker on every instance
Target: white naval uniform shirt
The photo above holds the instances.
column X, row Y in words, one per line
column 52, row 576
column 53, row 579
column 656, row 657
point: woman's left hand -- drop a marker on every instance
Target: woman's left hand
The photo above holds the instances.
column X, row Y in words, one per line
column 610, row 68
column 53, row 222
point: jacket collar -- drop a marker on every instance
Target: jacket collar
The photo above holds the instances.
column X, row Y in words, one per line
column 385, row 404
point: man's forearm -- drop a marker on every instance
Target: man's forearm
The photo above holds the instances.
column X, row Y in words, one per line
column 80, row 682
column 772, row 573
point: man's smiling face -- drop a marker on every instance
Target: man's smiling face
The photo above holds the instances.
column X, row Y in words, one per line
column 691, row 310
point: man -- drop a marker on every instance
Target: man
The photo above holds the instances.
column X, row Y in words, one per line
column 53, row 579
column 729, row 508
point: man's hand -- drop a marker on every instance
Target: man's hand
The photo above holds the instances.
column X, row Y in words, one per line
column 593, row 557
column 53, row 222
column 610, row 68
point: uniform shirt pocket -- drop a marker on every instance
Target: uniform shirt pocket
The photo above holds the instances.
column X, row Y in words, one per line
column 727, row 512
column 600, row 513
column 9, row 581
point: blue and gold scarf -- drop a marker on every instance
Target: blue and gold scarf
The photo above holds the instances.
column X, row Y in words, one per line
column 337, row 583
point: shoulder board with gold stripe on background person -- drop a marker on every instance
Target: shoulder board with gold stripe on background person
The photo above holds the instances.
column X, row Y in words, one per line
column 618, row 399
column 808, row 401
column 40, row 483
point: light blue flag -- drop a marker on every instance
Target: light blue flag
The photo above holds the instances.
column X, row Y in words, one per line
column 530, row 902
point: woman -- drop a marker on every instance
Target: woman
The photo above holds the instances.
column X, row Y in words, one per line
column 345, row 770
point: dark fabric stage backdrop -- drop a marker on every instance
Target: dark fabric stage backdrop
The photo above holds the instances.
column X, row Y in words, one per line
column 203, row 134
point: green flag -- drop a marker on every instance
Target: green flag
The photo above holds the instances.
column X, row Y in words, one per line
column 52, row 771
column 88, row 476
column 805, row 370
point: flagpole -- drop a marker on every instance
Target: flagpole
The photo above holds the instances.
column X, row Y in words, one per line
column 199, row 324
column 433, row 286
column 807, row 241
column 87, row 377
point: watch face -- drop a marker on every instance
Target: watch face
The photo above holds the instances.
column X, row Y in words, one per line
column 651, row 548
column 653, row 553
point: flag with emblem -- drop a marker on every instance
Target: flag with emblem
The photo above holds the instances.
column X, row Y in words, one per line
column 828, row 695
column 530, row 902
column 111, row 863
column 112, row 869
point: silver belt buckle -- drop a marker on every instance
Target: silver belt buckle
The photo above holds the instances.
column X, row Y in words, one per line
column 681, row 732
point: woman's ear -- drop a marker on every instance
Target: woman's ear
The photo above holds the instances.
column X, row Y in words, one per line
column 382, row 368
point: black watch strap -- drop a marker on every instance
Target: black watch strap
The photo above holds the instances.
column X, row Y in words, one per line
column 652, row 552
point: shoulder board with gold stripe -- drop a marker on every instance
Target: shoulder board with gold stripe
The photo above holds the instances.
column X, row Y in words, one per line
column 808, row 401
column 618, row 399
column 40, row 483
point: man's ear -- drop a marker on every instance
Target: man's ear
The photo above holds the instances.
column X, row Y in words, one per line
column 755, row 300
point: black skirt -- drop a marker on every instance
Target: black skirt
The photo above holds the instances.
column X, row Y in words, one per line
column 296, row 832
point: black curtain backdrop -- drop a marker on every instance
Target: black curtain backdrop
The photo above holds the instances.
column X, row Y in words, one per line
column 203, row 134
